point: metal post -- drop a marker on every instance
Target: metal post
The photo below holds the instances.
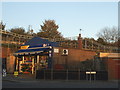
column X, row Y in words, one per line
column 52, row 74
column 93, row 63
column 94, row 77
column 44, row 74
column 7, row 54
column 51, row 57
column 85, row 44
column 8, row 46
column 67, row 74
column 92, row 45
column 78, row 74
column 90, row 76
column 98, row 48
column 66, row 61
column 86, row 76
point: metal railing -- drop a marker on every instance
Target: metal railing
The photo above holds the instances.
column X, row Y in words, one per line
column 69, row 42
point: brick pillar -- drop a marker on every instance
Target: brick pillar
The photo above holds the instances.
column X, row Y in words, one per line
column 80, row 42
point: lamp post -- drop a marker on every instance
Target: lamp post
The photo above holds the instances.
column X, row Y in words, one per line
column 80, row 31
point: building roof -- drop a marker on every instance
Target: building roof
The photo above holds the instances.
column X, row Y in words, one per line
column 39, row 41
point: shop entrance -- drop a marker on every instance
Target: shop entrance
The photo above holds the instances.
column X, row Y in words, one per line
column 31, row 63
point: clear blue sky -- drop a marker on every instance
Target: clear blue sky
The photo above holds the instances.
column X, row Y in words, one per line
column 91, row 17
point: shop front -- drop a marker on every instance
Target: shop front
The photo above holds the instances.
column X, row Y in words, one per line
column 32, row 57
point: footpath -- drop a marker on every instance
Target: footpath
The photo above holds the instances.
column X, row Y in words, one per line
column 20, row 77
column 30, row 77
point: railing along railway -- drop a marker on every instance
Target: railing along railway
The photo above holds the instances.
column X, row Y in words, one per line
column 69, row 42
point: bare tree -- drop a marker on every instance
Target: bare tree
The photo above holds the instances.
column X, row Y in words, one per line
column 108, row 34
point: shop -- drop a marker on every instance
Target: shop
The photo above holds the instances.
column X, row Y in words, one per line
column 32, row 57
column 38, row 53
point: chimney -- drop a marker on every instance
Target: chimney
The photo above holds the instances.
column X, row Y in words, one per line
column 79, row 42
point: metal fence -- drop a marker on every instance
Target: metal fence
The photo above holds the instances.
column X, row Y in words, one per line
column 70, row 75
column 69, row 42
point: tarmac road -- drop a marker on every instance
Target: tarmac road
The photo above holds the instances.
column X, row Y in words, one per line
column 26, row 81
column 59, row 84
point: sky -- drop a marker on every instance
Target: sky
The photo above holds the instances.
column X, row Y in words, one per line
column 91, row 17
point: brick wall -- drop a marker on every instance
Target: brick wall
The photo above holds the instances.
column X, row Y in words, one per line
column 72, row 60
column 74, row 56
column 113, row 68
column 10, row 64
column 7, row 53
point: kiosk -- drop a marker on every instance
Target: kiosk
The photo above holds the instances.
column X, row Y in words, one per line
column 33, row 55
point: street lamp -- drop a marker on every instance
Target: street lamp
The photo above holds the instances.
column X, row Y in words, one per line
column 80, row 31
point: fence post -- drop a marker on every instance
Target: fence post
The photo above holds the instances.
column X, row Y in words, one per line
column 44, row 74
column 94, row 77
column 52, row 74
column 67, row 74
column 90, row 76
column 86, row 76
column 78, row 74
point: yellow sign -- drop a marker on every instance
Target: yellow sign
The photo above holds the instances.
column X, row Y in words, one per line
column 24, row 47
column 16, row 73
column 104, row 54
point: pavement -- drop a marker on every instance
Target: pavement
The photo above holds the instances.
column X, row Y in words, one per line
column 30, row 77
column 29, row 81
column 20, row 77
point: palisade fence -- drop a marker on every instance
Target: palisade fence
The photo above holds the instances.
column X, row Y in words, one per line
column 69, row 42
column 67, row 74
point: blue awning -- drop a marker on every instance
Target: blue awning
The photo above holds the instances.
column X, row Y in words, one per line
column 36, row 45
column 36, row 50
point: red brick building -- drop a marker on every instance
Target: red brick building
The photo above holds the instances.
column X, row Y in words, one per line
column 113, row 64
column 72, row 59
